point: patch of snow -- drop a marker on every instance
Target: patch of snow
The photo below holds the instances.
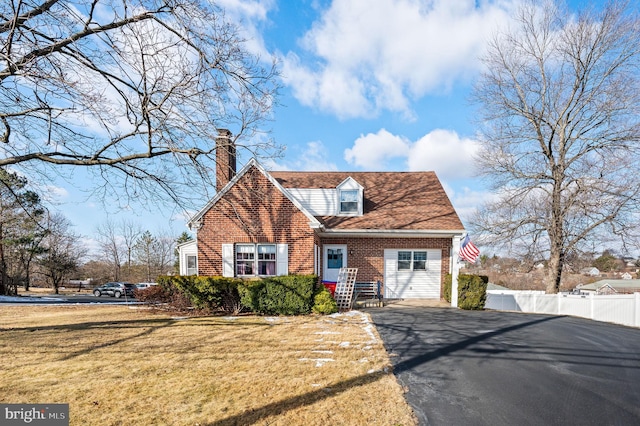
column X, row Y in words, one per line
column 327, row 332
column 319, row 361
column 320, row 351
column 345, row 344
column 229, row 318
column 369, row 330
column 26, row 299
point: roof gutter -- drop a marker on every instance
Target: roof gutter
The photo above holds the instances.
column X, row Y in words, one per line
column 390, row 233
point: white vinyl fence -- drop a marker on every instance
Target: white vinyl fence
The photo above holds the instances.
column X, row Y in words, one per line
column 619, row 309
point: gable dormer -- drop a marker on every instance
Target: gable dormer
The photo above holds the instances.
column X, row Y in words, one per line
column 350, row 198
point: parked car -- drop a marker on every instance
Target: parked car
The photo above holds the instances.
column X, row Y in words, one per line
column 115, row 289
column 144, row 286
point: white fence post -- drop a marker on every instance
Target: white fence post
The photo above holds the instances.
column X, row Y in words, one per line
column 637, row 309
column 592, row 303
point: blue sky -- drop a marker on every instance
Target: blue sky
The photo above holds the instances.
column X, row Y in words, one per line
column 367, row 85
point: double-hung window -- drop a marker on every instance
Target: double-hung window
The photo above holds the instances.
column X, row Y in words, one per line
column 266, row 259
column 349, row 201
column 412, row 260
column 192, row 264
column 255, row 259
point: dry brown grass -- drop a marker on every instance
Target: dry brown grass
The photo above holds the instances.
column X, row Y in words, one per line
column 122, row 366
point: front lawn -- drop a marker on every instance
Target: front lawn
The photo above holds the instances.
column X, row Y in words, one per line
column 127, row 366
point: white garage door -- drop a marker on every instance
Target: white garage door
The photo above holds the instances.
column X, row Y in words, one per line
column 412, row 273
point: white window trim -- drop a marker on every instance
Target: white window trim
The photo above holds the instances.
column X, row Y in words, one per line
column 256, row 259
column 229, row 259
column 413, row 260
column 349, row 184
column 186, row 263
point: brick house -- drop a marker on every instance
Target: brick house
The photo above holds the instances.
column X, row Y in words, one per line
column 395, row 227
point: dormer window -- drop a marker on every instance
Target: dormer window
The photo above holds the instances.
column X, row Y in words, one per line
column 349, row 201
column 349, row 198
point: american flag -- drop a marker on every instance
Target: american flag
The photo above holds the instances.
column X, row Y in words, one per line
column 468, row 251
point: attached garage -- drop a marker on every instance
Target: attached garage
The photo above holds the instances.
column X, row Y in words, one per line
column 412, row 273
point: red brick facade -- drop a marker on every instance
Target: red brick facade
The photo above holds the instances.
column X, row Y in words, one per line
column 254, row 211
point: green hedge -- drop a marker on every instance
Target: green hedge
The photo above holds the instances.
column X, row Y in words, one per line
column 447, row 288
column 284, row 295
column 208, row 293
column 323, row 302
column 472, row 291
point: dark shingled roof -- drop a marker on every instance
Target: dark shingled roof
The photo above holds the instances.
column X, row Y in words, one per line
column 392, row 200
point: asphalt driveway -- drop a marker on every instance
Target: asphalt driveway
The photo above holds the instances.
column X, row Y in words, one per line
column 499, row 368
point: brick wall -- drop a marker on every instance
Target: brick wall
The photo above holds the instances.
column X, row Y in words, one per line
column 367, row 254
column 254, row 211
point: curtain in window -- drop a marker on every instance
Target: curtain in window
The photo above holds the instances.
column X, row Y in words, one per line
column 266, row 259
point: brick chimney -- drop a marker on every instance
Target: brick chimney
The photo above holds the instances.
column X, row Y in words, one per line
column 225, row 158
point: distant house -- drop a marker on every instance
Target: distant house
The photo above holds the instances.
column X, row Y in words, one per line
column 590, row 271
column 611, row 286
column 492, row 286
column 398, row 228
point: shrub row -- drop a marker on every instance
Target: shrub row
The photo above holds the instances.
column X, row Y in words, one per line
column 472, row 291
column 283, row 295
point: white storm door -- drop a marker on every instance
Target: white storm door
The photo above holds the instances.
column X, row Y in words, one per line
column 334, row 257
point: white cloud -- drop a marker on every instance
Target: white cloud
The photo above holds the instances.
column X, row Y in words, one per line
column 442, row 151
column 466, row 200
column 54, row 194
column 445, row 152
column 372, row 150
column 250, row 15
column 366, row 57
column 311, row 158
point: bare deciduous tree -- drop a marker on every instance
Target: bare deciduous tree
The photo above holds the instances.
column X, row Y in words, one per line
column 154, row 254
column 63, row 251
column 560, row 131
column 112, row 250
column 132, row 90
column 166, row 248
column 129, row 233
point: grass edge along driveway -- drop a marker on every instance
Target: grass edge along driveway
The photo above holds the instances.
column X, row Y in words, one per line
column 120, row 365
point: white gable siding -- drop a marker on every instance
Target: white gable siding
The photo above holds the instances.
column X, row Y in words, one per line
column 350, row 183
column 318, row 202
column 412, row 284
column 185, row 250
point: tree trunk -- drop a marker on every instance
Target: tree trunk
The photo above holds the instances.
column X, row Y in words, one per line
column 27, row 281
column 4, row 279
column 554, row 270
